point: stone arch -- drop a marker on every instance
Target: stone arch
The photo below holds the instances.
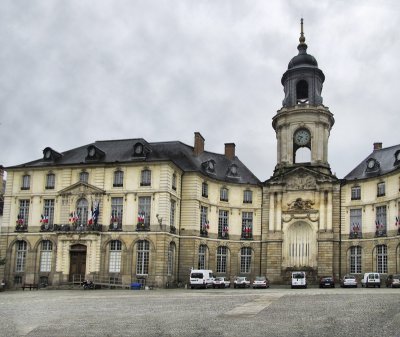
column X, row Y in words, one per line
column 300, row 245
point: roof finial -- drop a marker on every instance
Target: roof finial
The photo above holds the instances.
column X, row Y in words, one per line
column 302, row 39
column 302, row 47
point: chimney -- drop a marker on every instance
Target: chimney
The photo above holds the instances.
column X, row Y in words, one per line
column 230, row 150
column 198, row 144
column 377, row 146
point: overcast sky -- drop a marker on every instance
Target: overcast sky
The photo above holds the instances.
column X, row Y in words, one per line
column 73, row 72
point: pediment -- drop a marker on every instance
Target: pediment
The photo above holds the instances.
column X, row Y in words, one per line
column 80, row 188
column 301, row 178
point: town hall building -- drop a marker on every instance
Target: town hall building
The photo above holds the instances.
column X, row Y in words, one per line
column 135, row 211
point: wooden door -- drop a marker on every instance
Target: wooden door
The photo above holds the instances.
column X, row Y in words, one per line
column 77, row 263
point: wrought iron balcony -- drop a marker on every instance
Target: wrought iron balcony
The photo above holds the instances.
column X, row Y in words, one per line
column 380, row 233
column 142, row 227
column 115, row 227
column 172, row 230
column 247, row 236
column 223, row 236
column 21, row 228
column 355, row 235
column 78, row 228
column 203, row 232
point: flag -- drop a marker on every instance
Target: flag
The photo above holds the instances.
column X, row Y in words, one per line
column 376, row 224
column 397, row 221
column 141, row 217
column 95, row 213
column 90, row 215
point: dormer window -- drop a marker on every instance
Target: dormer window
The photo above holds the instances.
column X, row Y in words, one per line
column 233, row 170
column 84, row 177
column 372, row 165
column 138, row 150
column 94, row 153
column 50, row 154
column 209, row 166
column 397, row 158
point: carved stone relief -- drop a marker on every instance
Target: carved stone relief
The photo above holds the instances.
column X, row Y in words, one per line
column 302, row 181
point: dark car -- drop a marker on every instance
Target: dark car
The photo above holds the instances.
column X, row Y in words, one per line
column 393, row 281
column 326, row 281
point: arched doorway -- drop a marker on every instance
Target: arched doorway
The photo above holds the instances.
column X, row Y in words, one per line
column 300, row 246
column 77, row 267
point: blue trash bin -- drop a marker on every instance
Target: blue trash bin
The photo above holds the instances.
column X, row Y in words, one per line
column 135, row 286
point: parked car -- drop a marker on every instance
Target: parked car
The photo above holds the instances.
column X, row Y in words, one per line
column 221, row 282
column 326, row 281
column 371, row 279
column 348, row 281
column 299, row 279
column 393, row 281
column 241, row 282
column 260, row 282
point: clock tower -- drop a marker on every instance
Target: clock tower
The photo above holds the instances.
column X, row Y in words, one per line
column 301, row 199
column 303, row 123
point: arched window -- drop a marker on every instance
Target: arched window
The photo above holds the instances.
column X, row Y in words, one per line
column 82, row 211
column 222, row 252
column 118, row 178
column 115, row 256
column 355, row 259
column 21, row 248
column 143, row 256
column 245, row 260
column 202, row 257
column 46, row 253
column 302, row 92
column 381, row 259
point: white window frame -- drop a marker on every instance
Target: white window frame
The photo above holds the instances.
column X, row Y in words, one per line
column 115, row 256
column 143, row 257
column 46, row 255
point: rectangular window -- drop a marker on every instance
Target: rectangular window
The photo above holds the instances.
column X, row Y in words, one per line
column 46, row 256
column 223, row 194
column 145, row 179
column 223, row 226
column 381, row 259
column 172, row 214
column 202, row 257
column 203, row 220
column 245, row 260
column 20, row 256
column 144, row 209
column 204, row 190
column 174, row 181
column 247, row 197
column 84, row 177
column 221, row 259
column 23, row 214
column 118, row 179
column 356, row 193
column 50, row 181
column 381, row 190
column 355, row 223
column 143, row 255
column 247, row 225
column 380, row 222
column 48, row 211
column 115, row 256
column 117, row 211
column 26, row 182
column 355, row 260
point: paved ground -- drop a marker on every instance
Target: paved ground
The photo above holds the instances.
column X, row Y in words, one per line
column 277, row 311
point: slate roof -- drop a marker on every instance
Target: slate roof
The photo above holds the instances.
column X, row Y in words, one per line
column 386, row 159
column 117, row 152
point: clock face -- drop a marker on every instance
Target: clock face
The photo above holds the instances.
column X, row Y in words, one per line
column 302, row 137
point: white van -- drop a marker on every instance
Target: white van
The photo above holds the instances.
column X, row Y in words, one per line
column 371, row 279
column 299, row 279
column 201, row 278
